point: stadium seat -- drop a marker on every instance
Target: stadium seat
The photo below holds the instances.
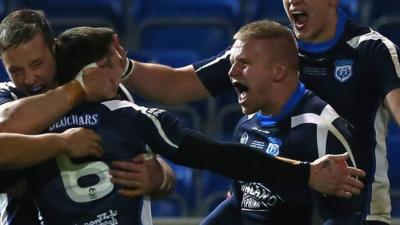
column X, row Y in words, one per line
column 66, row 14
column 214, row 190
column 393, row 142
column 389, row 26
column 184, row 196
column 227, row 118
column 264, row 9
column 226, row 10
column 350, row 7
column 171, row 206
column 204, row 37
column 380, row 8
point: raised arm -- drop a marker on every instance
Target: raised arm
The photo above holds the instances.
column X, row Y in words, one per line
column 33, row 114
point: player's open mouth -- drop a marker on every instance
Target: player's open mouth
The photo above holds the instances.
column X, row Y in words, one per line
column 241, row 90
column 300, row 19
column 36, row 89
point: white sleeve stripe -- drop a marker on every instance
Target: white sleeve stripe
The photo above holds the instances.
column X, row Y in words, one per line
column 324, row 124
column 3, row 208
column 118, row 104
column 373, row 35
column 393, row 53
column 214, row 61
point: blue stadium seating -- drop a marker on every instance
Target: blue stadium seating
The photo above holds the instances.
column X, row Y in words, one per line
column 171, row 206
column 264, row 9
column 385, row 8
column 214, row 190
column 66, row 14
column 389, row 26
column 350, row 7
column 227, row 10
column 204, row 37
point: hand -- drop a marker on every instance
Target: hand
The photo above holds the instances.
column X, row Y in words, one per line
column 101, row 82
column 139, row 176
column 330, row 174
column 81, row 142
column 120, row 52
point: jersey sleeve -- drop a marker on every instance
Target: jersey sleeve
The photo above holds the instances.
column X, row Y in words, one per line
column 383, row 57
column 338, row 142
column 213, row 73
column 167, row 136
column 7, row 92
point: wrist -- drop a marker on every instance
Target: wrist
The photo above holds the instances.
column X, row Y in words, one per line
column 130, row 65
column 74, row 92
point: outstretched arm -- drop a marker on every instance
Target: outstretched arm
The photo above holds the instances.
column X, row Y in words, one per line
column 160, row 83
column 74, row 142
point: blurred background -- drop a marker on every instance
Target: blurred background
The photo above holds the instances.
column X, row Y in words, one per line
column 180, row 32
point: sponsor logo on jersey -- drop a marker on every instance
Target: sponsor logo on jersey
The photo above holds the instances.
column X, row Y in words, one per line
column 154, row 111
column 86, row 120
column 109, row 218
column 273, row 146
column 343, row 69
column 257, row 144
column 257, row 197
column 244, row 138
column 260, row 130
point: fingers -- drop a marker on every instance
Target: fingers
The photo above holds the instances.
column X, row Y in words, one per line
column 139, row 158
column 128, row 166
column 350, row 189
column 343, row 194
column 340, row 157
column 126, row 175
column 353, row 182
column 355, row 172
column 125, row 182
column 97, row 150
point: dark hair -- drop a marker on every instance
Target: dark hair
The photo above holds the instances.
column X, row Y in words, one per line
column 21, row 26
column 79, row 46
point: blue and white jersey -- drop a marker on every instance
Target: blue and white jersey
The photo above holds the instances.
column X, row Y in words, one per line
column 79, row 191
column 306, row 129
column 16, row 204
column 353, row 72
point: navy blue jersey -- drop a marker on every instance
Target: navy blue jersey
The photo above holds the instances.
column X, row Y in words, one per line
column 16, row 204
column 306, row 129
column 80, row 191
column 353, row 72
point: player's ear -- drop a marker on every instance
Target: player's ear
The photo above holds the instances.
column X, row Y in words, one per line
column 280, row 71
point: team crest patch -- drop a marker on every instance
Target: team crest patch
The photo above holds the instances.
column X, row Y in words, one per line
column 273, row 146
column 343, row 69
column 244, row 138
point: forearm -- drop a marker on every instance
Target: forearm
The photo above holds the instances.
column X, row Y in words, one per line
column 164, row 84
column 20, row 151
column 240, row 162
column 33, row 114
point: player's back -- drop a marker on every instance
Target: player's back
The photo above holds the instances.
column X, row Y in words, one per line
column 72, row 191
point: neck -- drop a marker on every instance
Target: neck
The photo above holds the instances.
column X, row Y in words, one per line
column 283, row 92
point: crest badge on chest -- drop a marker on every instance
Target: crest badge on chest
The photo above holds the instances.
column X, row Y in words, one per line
column 343, row 69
